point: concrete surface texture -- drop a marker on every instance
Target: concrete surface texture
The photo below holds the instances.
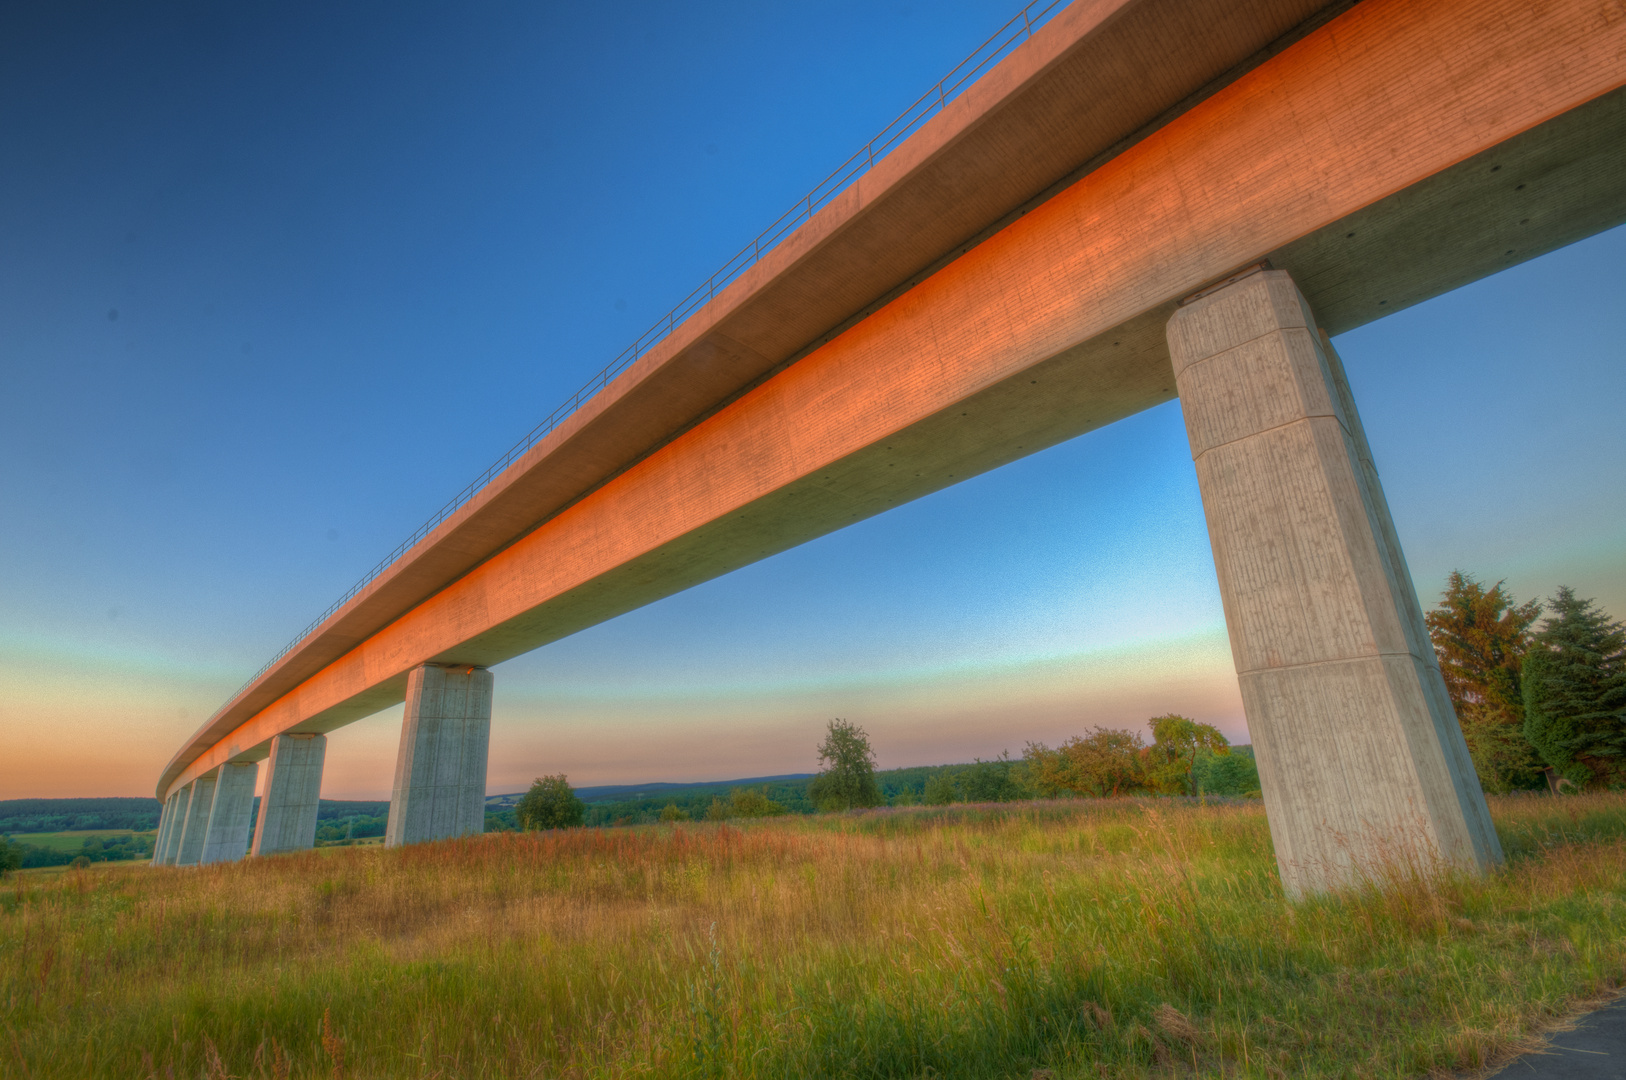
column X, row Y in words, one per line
column 1595, row 1049
column 172, row 842
column 166, row 820
column 440, row 771
column 293, row 788
column 197, row 820
column 1360, row 756
column 226, row 838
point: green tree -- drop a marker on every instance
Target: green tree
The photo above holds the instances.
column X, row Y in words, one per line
column 718, row 810
column 1176, row 743
column 847, row 779
column 1225, row 774
column 550, row 804
column 749, row 802
column 1575, row 692
column 999, row 780
column 673, row 813
column 1481, row 638
column 1104, row 762
column 11, row 856
column 941, row 789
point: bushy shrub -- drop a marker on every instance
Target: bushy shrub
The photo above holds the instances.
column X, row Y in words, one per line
column 550, row 804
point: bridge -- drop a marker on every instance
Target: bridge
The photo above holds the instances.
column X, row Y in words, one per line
column 1115, row 203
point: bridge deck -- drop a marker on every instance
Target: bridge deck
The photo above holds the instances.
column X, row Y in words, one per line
column 996, row 285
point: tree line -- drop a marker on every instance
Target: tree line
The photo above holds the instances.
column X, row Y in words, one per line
column 1539, row 706
column 1184, row 757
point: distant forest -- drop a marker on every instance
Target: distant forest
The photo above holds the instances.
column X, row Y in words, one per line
column 999, row 780
column 341, row 822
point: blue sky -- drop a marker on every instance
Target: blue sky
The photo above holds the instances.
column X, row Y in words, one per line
column 277, row 280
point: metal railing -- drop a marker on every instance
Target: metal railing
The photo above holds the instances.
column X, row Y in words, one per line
column 929, row 104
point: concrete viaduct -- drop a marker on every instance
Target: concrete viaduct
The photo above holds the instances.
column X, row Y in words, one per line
column 1145, row 199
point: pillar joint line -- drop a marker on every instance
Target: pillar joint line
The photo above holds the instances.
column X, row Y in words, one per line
column 1277, row 427
column 1354, row 658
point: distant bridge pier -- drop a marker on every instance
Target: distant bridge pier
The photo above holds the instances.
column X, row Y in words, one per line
column 225, row 839
column 166, row 825
column 1360, row 756
column 293, row 790
column 440, row 770
column 198, row 807
column 177, row 824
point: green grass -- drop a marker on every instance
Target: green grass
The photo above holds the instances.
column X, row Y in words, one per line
column 1112, row 938
column 75, row 840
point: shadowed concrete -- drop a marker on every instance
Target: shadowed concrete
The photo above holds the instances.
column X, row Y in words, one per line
column 998, row 284
column 226, row 838
column 293, row 789
column 197, row 820
column 172, row 842
column 1360, row 755
column 166, row 821
column 440, row 770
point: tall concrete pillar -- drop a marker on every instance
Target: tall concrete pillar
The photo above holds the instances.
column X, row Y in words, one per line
column 440, row 771
column 1360, row 756
column 293, row 793
column 172, row 839
column 197, row 819
column 166, row 817
column 226, row 837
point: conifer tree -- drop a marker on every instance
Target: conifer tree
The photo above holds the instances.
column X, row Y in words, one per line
column 1481, row 637
column 1575, row 692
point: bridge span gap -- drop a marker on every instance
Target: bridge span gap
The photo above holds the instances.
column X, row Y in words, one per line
column 1147, row 199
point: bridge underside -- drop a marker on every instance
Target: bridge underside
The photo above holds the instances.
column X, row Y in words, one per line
column 1387, row 157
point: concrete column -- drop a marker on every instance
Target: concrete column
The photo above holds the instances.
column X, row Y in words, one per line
column 226, row 838
column 440, row 771
column 172, row 839
column 1360, row 756
column 293, row 793
column 197, row 819
column 166, row 816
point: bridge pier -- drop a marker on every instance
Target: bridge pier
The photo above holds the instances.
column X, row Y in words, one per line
column 440, row 770
column 1360, row 756
column 177, row 825
column 226, row 837
column 166, row 822
column 198, row 807
column 293, row 793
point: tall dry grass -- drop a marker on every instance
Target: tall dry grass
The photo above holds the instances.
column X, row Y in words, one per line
column 1111, row 938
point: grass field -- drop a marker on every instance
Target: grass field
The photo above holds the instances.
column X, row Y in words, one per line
column 1112, row 938
column 74, row 841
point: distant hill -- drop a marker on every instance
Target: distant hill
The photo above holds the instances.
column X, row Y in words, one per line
column 61, row 815
column 625, row 792
column 73, row 815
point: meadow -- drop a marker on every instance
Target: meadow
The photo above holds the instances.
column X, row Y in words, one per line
column 74, row 840
column 1040, row 940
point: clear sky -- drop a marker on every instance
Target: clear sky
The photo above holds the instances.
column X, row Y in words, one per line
column 277, row 279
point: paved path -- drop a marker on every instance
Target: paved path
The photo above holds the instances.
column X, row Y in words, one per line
column 1595, row 1050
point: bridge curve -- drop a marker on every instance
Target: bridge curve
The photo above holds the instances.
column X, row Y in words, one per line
column 998, row 283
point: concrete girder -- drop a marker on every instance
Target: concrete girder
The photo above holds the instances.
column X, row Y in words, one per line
column 1391, row 119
